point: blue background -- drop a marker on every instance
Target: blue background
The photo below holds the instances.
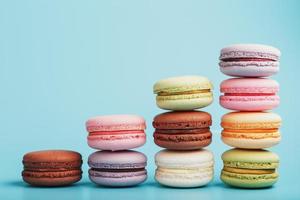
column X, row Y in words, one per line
column 62, row 62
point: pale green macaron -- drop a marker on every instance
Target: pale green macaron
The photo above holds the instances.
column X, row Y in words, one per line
column 249, row 168
column 183, row 93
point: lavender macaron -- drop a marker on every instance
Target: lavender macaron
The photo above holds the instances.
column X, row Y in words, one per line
column 117, row 169
column 249, row 60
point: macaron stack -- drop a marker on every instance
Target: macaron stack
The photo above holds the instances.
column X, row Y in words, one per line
column 115, row 165
column 183, row 132
column 250, row 128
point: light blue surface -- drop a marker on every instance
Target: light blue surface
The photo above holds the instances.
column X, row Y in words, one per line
column 62, row 62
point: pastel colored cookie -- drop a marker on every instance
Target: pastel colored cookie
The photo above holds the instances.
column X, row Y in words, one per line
column 249, row 60
column 251, row 130
column 185, row 130
column 183, row 93
column 52, row 168
column 249, row 168
column 249, row 94
column 116, row 132
column 184, row 169
column 117, row 169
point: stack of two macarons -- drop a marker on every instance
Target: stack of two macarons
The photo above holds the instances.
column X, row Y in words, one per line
column 183, row 132
column 115, row 165
column 250, row 128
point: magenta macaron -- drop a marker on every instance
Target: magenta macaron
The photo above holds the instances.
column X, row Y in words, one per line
column 117, row 169
column 249, row 94
column 249, row 60
column 116, row 132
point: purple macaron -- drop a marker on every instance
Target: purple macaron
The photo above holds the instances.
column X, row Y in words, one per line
column 249, row 60
column 117, row 169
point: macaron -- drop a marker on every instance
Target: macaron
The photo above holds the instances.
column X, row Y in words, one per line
column 249, row 60
column 183, row 93
column 185, row 130
column 116, row 132
column 251, row 130
column 52, row 168
column 184, row 169
column 249, row 94
column 249, row 168
column 117, row 169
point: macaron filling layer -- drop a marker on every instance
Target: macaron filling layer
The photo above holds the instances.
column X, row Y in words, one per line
column 184, row 96
column 182, row 137
column 247, row 59
column 251, row 126
column 249, row 94
column 116, row 132
column 116, row 166
column 250, row 98
column 164, row 93
column 251, row 133
column 185, row 171
column 249, row 171
column 251, row 177
column 117, row 173
column 251, row 165
column 46, row 166
column 51, row 174
column 116, row 136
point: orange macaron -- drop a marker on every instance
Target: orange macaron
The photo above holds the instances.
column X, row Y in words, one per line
column 251, row 130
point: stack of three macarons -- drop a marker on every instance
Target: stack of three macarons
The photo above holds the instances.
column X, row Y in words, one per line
column 183, row 132
column 115, row 165
column 250, row 128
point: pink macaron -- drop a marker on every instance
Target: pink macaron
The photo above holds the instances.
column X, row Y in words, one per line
column 249, row 94
column 116, row 132
column 249, row 60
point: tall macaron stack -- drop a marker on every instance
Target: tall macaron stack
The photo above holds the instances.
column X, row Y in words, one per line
column 251, row 127
column 115, row 165
column 183, row 132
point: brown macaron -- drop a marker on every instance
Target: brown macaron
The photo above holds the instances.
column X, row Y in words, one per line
column 184, row 130
column 52, row 167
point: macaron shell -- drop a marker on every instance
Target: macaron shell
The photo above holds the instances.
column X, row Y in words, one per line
column 116, row 143
column 249, row 85
column 251, row 120
column 184, row 159
column 51, row 156
column 251, row 143
column 51, row 178
column 188, row 141
column 185, row 179
column 117, row 160
column 184, row 101
column 182, row 84
column 118, row 179
column 249, row 180
column 250, row 51
column 182, row 120
column 115, row 123
column 249, row 69
column 252, row 157
column 249, row 103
